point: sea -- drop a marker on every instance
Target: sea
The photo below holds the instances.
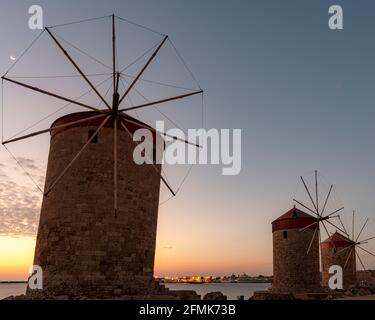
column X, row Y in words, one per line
column 231, row 290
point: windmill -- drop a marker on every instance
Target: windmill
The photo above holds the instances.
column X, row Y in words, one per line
column 355, row 242
column 114, row 111
column 91, row 172
column 319, row 211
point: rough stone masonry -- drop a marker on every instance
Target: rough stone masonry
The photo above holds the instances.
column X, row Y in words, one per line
column 294, row 269
column 83, row 249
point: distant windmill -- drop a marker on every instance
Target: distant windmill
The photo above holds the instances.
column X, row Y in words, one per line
column 355, row 243
column 319, row 212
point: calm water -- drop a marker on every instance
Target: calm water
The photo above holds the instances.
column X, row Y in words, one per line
column 231, row 290
column 12, row 289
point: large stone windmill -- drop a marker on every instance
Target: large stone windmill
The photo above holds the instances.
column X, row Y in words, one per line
column 97, row 229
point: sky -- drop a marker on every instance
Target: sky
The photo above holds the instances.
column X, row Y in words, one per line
column 301, row 93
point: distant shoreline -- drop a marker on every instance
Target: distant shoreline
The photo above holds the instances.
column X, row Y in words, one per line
column 10, row 282
column 234, row 282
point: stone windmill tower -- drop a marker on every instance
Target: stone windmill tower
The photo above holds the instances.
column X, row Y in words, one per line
column 332, row 254
column 341, row 249
column 293, row 269
column 97, row 229
column 296, row 238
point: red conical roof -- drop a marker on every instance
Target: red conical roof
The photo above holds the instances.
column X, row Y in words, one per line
column 132, row 124
column 337, row 240
column 294, row 213
column 293, row 219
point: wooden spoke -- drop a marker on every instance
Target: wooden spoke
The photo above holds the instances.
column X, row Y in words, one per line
column 143, row 69
column 153, row 165
column 308, row 192
column 343, row 250
column 329, row 222
column 343, row 227
column 360, row 260
column 310, row 225
column 163, row 133
column 353, row 226
column 115, row 174
column 312, row 239
column 359, row 234
column 148, row 104
column 53, row 128
column 51, row 94
column 326, row 230
column 320, row 249
column 347, row 259
column 338, row 210
column 326, row 201
column 114, row 51
column 301, row 204
column 370, row 253
column 77, row 68
column 362, row 241
column 316, row 192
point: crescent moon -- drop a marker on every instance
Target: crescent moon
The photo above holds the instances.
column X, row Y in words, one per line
column 12, row 58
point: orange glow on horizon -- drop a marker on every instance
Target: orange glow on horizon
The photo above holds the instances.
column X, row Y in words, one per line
column 16, row 257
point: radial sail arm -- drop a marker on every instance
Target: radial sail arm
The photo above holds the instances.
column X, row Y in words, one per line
column 348, row 257
column 312, row 239
column 308, row 192
column 53, row 128
column 143, row 69
column 367, row 239
column 309, row 226
column 77, row 67
column 158, row 172
column 306, row 207
column 360, row 260
column 370, row 253
column 326, row 201
column 165, row 134
column 359, row 234
column 148, row 104
column 115, row 165
column 338, row 228
column 51, row 94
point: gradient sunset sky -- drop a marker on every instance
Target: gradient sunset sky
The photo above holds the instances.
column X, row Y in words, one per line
column 302, row 94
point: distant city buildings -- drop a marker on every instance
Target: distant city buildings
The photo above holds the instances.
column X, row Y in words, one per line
column 244, row 278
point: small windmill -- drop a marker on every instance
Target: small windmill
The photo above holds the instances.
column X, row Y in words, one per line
column 113, row 113
column 319, row 212
column 355, row 243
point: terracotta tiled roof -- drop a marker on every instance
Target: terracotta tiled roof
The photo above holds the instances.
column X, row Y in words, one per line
column 294, row 213
column 338, row 238
column 294, row 219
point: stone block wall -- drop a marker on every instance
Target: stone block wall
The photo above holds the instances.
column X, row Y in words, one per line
column 81, row 246
column 335, row 256
column 294, row 269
